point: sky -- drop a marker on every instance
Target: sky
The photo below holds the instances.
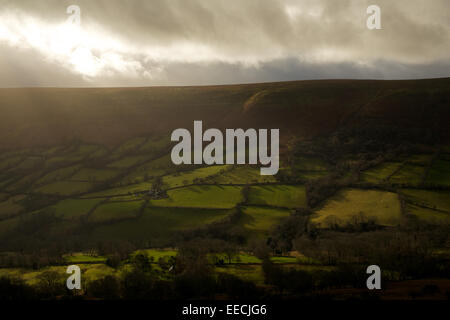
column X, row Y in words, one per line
column 206, row 42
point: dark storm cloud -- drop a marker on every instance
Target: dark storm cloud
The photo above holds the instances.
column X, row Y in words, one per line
column 223, row 41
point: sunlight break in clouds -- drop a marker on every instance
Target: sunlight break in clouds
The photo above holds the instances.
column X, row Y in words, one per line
column 88, row 53
column 193, row 42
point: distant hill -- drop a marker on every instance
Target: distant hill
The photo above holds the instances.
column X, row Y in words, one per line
column 50, row 116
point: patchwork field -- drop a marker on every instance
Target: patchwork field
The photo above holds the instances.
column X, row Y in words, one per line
column 186, row 178
column 74, row 208
column 408, row 174
column 286, row 196
column 439, row 199
column 349, row 204
column 381, row 172
column 116, row 211
column 241, row 175
column 93, row 175
column 11, row 207
column 159, row 224
column 218, row 197
column 66, row 188
column 439, row 173
column 262, row 219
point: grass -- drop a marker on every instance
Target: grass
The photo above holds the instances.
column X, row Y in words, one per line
column 286, row 196
column 116, row 211
column 89, row 272
column 428, row 215
column 154, row 168
column 308, row 163
column 127, row 162
column 439, row 199
column 8, row 225
column 262, row 219
column 350, row 203
column 253, row 273
column 439, row 173
column 65, row 188
column 185, row 178
column 408, row 174
column 89, row 174
column 420, row 159
column 218, row 197
column 13, row 161
column 122, row 193
column 130, row 144
column 83, row 258
column 241, row 175
column 57, row 175
column 29, row 163
column 11, row 207
column 159, row 224
column 74, row 208
column 155, row 144
column 381, row 172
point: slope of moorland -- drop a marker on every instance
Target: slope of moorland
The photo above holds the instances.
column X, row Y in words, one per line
column 109, row 116
column 86, row 178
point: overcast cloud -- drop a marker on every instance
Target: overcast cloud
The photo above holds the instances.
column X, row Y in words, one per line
column 190, row 42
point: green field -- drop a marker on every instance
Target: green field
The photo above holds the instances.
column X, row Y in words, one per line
column 11, row 207
column 154, row 168
column 65, row 188
column 439, row 173
column 253, row 273
column 381, row 172
column 186, row 178
column 354, row 203
column 89, row 271
column 57, row 175
column 127, row 162
column 262, row 219
column 309, row 163
column 439, row 199
column 116, row 211
column 122, row 193
column 218, row 197
column 8, row 162
column 420, row 159
column 74, row 208
column 154, row 144
column 159, row 224
column 408, row 174
column 286, row 196
column 84, row 258
column 130, row 145
column 428, row 215
column 241, row 175
column 91, row 175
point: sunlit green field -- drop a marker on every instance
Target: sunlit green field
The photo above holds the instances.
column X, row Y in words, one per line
column 381, row 172
column 241, row 175
column 186, row 178
column 116, row 211
column 219, row 197
column 349, row 204
column 408, row 174
column 286, row 196
column 262, row 219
